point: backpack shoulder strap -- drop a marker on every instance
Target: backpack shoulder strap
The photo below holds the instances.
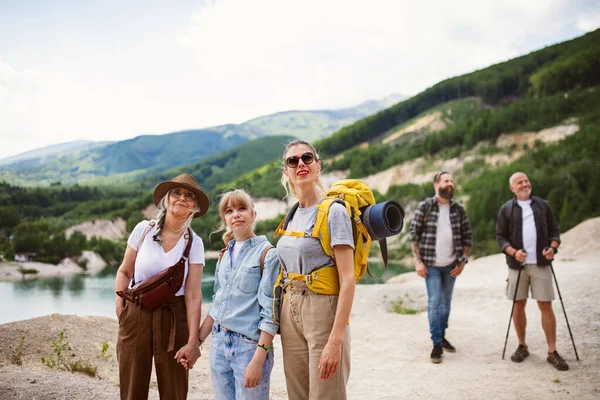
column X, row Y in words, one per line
column 151, row 223
column 189, row 239
column 281, row 229
column 428, row 208
column 321, row 228
column 222, row 251
column 263, row 256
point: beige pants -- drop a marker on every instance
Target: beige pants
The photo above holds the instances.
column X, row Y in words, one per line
column 539, row 278
column 158, row 334
column 306, row 322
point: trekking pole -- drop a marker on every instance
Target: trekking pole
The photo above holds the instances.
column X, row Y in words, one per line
column 564, row 311
column 511, row 312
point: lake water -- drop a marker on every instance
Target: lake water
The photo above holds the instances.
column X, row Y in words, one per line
column 94, row 295
column 78, row 294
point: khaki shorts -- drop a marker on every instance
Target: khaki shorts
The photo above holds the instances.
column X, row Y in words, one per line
column 534, row 276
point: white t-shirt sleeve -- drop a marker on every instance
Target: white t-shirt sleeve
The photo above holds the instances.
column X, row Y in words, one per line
column 197, row 250
column 136, row 234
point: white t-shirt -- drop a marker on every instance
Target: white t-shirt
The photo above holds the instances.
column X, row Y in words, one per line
column 152, row 259
column 236, row 251
column 444, row 240
column 529, row 232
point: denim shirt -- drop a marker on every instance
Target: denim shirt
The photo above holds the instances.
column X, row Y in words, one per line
column 243, row 299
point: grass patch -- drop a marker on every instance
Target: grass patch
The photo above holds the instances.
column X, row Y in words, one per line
column 28, row 271
column 16, row 357
column 104, row 351
column 84, row 367
column 57, row 359
column 399, row 307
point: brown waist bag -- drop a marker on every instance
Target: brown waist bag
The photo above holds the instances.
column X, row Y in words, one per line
column 162, row 287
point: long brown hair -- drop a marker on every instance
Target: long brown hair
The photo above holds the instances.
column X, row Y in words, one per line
column 285, row 182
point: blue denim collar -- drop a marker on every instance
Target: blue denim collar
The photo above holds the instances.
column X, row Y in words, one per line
column 253, row 241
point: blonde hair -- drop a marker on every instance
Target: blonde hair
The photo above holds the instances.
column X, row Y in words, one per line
column 236, row 198
column 285, row 182
column 161, row 213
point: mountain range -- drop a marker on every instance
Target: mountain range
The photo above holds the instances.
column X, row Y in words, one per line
column 126, row 160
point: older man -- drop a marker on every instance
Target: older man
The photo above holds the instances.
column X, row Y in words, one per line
column 528, row 233
column 441, row 244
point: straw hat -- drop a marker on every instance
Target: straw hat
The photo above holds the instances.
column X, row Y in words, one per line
column 186, row 181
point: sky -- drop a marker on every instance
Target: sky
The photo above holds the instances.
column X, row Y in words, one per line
column 116, row 69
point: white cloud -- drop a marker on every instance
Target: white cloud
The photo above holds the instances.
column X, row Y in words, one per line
column 237, row 59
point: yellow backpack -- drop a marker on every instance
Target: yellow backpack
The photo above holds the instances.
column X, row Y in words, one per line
column 354, row 195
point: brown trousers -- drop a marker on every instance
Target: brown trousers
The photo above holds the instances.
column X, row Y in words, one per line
column 158, row 334
column 306, row 322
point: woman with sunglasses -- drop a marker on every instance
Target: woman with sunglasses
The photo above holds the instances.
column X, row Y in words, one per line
column 314, row 329
column 169, row 333
column 240, row 322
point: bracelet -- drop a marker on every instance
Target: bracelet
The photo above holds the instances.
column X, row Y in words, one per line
column 262, row 346
column 515, row 254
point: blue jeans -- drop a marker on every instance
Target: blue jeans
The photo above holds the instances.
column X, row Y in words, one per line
column 230, row 354
column 439, row 292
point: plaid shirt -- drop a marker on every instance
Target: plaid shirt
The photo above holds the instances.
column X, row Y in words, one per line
column 423, row 229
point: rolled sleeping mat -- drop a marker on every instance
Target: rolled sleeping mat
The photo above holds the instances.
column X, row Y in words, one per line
column 383, row 219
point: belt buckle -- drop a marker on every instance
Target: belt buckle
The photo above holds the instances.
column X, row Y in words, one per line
column 309, row 279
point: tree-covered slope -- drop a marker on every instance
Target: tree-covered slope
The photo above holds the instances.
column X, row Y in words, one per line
column 564, row 66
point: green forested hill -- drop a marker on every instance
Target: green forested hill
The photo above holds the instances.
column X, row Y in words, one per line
column 137, row 156
column 540, row 90
column 129, row 160
column 228, row 165
column 557, row 68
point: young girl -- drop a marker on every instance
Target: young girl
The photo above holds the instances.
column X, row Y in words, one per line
column 241, row 318
column 315, row 336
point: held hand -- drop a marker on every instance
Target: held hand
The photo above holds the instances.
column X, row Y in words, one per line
column 521, row 256
column 188, row 355
column 330, row 360
column 253, row 374
column 548, row 253
column 421, row 269
column 456, row 271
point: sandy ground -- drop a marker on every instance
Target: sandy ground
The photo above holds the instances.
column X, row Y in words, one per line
column 390, row 352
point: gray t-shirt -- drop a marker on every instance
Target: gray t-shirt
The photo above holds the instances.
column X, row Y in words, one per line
column 305, row 254
column 444, row 240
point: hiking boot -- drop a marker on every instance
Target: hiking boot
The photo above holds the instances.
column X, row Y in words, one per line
column 521, row 354
column 558, row 362
column 447, row 346
column 437, row 353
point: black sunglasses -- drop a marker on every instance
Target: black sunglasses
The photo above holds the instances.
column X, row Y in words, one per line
column 293, row 161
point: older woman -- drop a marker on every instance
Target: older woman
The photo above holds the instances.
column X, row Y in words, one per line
column 314, row 329
column 169, row 333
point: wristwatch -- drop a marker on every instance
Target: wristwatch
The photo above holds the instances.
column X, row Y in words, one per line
column 463, row 259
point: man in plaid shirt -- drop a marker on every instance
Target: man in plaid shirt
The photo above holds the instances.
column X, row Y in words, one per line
column 441, row 244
